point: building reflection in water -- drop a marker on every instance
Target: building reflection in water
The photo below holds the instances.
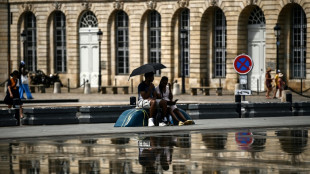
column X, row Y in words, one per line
column 220, row 152
column 216, row 144
column 293, row 142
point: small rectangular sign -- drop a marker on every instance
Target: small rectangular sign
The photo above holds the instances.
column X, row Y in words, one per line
column 243, row 79
column 243, row 92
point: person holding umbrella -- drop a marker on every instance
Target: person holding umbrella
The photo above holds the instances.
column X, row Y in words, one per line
column 147, row 98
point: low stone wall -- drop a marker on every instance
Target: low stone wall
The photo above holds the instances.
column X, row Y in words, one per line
column 301, row 109
column 101, row 114
column 266, row 109
column 50, row 116
column 110, row 114
column 213, row 110
column 7, row 117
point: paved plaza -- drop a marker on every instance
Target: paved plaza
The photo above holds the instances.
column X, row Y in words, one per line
column 95, row 99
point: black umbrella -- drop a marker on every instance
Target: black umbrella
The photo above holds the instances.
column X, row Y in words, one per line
column 150, row 67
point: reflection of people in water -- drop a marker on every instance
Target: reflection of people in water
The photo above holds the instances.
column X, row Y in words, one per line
column 155, row 154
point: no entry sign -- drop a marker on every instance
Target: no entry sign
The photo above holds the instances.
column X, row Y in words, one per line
column 243, row 64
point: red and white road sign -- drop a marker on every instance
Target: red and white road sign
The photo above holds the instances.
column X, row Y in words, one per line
column 243, row 64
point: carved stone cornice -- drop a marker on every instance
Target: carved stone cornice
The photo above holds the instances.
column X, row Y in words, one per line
column 183, row 3
column 26, row 7
column 86, row 5
column 151, row 5
column 118, row 5
column 57, row 5
column 252, row 2
column 214, row 2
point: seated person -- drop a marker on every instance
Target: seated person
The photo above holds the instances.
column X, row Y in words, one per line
column 146, row 91
column 164, row 91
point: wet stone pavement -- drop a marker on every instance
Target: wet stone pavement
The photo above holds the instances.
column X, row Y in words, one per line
column 260, row 151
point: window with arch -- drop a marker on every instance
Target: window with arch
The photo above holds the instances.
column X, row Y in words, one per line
column 31, row 42
column 219, row 44
column 299, row 41
column 184, row 41
column 257, row 17
column 60, row 51
column 88, row 19
column 155, row 38
column 122, row 43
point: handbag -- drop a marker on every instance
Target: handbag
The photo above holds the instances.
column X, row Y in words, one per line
column 146, row 104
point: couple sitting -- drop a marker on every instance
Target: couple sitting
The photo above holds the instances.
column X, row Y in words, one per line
column 161, row 97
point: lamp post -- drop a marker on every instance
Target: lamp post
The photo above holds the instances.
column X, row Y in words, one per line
column 183, row 37
column 23, row 37
column 277, row 32
column 99, row 33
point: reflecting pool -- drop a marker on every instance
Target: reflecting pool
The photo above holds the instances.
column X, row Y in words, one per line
column 259, row 151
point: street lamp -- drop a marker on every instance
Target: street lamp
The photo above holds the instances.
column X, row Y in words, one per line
column 277, row 32
column 183, row 37
column 23, row 37
column 99, row 33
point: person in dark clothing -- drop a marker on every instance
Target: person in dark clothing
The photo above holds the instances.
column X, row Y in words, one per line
column 147, row 98
column 268, row 82
column 13, row 92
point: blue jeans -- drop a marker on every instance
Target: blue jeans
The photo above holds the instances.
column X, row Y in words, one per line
column 22, row 88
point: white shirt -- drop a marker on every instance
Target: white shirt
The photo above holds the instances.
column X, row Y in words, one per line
column 164, row 95
column 24, row 79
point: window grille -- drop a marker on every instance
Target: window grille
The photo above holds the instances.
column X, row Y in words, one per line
column 122, row 43
column 31, row 42
column 184, row 42
column 220, row 44
column 257, row 17
column 60, row 55
column 155, row 38
column 88, row 20
column 299, row 34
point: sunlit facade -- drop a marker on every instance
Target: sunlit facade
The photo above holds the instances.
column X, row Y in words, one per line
column 62, row 38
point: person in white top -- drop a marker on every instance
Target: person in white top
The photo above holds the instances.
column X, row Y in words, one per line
column 164, row 91
column 24, row 87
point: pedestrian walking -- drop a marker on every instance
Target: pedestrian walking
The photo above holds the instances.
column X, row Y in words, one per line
column 24, row 87
column 276, row 77
column 281, row 84
column 268, row 82
column 12, row 94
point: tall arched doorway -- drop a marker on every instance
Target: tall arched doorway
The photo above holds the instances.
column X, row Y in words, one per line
column 256, row 48
column 89, row 49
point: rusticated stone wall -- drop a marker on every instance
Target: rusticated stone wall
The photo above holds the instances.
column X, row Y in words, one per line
column 201, row 38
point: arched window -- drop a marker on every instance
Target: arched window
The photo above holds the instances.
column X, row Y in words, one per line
column 60, row 53
column 257, row 17
column 31, row 42
column 219, row 44
column 122, row 55
column 155, row 38
column 184, row 41
column 88, row 20
column 299, row 39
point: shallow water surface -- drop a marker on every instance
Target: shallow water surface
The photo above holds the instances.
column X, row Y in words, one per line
column 258, row 151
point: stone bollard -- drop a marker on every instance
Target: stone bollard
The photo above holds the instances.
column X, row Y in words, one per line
column 286, row 96
column 57, row 88
column 87, row 88
column 176, row 89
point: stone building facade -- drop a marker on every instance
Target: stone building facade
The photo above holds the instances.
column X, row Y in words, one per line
column 203, row 36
